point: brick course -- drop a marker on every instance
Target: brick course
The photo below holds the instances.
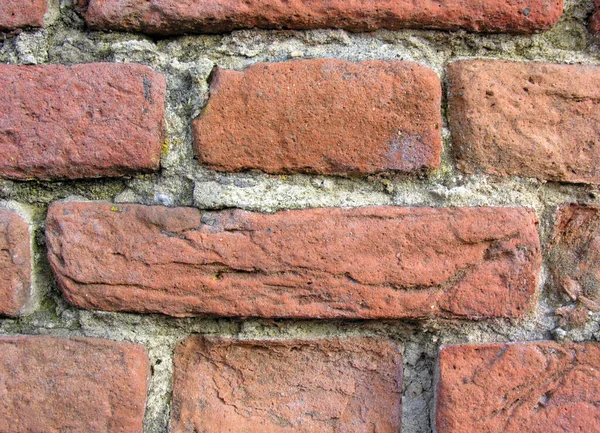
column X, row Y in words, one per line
column 330, row 263
column 15, row 263
column 15, row 14
column 324, row 116
column 526, row 119
column 80, row 121
column 81, row 384
column 169, row 17
column 325, row 386
column 512, row 388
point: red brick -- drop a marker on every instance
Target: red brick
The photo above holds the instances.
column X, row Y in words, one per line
column 575, row 253
column 526, row 119
column 16, row 14
column 79, row 121
column 322, row 116
column 595, row 20
column 71, row 385
column 167, row 17
column 322, row 386
column 357, row 263
column 515, row 388
column 15, row 263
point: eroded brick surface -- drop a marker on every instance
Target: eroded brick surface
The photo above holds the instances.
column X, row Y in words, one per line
column 15, row 263
column 16, row 14
column 80, row 121
column 324, row 116
column 167, row 17
column 323, row 386
column 575, row 253
column 359, row 263
column 514, row 388
column 526, row 119
column 595, row 20
column 77, row 385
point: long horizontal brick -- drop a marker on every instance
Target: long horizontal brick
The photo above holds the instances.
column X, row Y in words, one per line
column 358, row 263
column 15, row 263
column 71, row 385
column 16, row 14
column 515, row 388
column 168, row 17
column 324, row 116
column 79, row 121
column 526, row 119
column 336, row 385
column 574, row 253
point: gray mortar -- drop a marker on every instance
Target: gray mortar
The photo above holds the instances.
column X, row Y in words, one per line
column 187, row 62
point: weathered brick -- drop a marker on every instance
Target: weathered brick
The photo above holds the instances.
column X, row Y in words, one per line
column 79, row 121
column 515, row 388
column 526, row 119
column 71, row 385
column 322, row 116
column 358, row 263
column 325, row 386
column 167, row 17
column 16, row 14
column 595, row 21
column 15, row 263
column 575, row 253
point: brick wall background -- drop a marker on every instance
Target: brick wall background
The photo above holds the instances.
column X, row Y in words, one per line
column 442, row 189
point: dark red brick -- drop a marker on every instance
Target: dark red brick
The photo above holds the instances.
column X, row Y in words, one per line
column 515, row 388
column 595, row 21
column 168, row 17
column 358, row 263
column 526, row 119
column 15, row 263
column 16, row 14
column 322, row 116
column 71, row 385
column 323, row 386
column 80, row 121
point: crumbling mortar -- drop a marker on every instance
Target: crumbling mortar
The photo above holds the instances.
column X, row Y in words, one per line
column 187, row 62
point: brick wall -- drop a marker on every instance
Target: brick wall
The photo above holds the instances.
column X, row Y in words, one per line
column 299, row 216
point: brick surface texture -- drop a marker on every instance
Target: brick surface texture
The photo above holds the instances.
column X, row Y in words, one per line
column 512, row 388
column 322, row 116
column 526, row 119
column 299, row 216
column 78, row 385
column 336, row 385
column 167, row 17
column 15, row 263
column 575, row 254
column 595, row 20
column 80, row 121
column 16, row 14
column 358, row 263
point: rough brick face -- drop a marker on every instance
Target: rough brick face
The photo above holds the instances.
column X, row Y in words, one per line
column 71, row 385
column 595, row 21
column 322, row 386
column 575, row 253
column 80, row 121
column 322, row 116
column 356, row 263
column 16, row 14
column 515, row 388
column 526, row 119
column 15, row 263
column 166, row 17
